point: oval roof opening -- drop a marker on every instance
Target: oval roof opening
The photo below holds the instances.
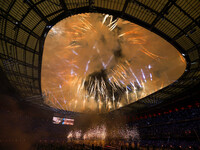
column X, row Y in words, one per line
column 97, row 63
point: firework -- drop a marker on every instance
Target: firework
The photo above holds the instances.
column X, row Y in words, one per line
column 97, row 133
column 74, row 135
column 101, row 133
column 103, row 64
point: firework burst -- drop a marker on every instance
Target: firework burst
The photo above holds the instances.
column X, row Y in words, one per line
column 100, row 67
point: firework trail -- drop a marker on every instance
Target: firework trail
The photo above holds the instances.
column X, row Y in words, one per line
column 103, row 64
column 101, row 133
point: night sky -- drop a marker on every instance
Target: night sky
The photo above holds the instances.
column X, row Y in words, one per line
column 135, row 63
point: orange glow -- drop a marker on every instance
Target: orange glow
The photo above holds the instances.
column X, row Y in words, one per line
column 93, row 63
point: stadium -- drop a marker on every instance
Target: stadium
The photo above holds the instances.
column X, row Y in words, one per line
column 99, row 74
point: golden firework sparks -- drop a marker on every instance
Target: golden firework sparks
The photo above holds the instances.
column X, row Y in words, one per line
column 95, row 62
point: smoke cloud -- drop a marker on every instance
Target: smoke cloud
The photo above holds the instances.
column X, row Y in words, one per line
column 136, row 63
column 20, row 127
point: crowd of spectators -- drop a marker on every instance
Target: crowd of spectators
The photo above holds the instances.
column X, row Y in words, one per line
column 172, row 128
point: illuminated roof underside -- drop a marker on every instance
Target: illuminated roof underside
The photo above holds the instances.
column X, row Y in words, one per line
column 94, row 62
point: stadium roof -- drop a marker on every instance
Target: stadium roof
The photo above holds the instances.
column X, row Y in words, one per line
column 25, row 24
